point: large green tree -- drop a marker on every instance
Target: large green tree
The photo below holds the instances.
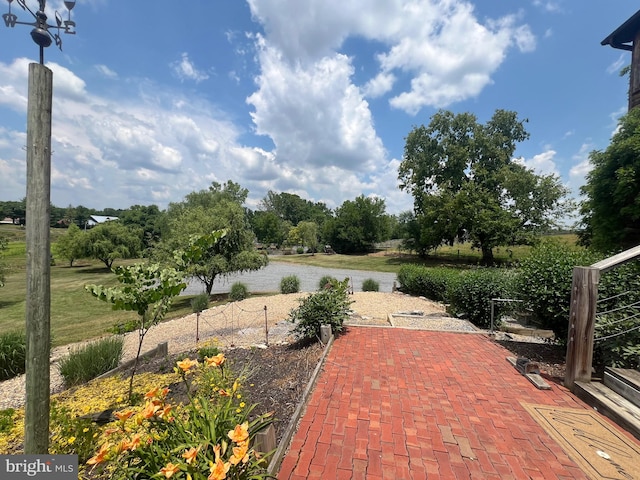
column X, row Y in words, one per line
column 112, row 240
column 467, row 186
column 294, row 209
column 268, row 227
column 611, row 210
column 358, row 224
column 72, row 245
column 203, row 212
column 148, row 218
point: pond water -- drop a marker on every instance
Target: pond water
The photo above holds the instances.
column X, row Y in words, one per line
column 268, row 279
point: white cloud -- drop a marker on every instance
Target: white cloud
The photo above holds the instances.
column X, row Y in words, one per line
column 548, row 6
column 422, row 39
column 580, row 168
column 542, row 163
column 106, row 71
column 315, row 115
column 619, row 63
column 184, row 69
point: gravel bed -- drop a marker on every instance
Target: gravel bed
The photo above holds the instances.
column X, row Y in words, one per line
column 237, row 324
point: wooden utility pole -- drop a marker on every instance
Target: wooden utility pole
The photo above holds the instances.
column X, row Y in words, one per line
column 582, row 321
column 38, row 305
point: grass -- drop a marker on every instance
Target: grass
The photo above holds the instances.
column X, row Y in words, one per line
column 459, row 256
column 75, row 314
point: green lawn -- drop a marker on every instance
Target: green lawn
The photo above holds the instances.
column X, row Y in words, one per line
column 75, row 314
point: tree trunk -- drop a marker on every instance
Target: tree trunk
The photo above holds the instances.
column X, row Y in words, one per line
column 487, row 256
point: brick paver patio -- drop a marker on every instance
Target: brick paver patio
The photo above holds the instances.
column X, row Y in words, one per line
column 404, row 404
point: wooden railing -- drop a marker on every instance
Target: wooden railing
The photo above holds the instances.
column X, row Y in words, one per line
column 582, row 315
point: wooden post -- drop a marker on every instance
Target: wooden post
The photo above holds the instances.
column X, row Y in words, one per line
column 582, row 319
column 38, row 301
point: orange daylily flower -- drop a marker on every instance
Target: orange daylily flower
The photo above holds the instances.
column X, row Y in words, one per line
column 240, row 434
column 215, row 361
column 150, row 410
column 101, row 455
column 169, row 469
column 219, row 470
column 134, row 442
column 240, row 454
column 164, row 411
column 152, row 393
column 190, row 455
column 186, row 364
column 122, row 416
column 224, row 393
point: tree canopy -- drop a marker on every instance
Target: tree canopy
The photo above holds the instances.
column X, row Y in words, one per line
column 467, row 186
column 112, row 240
column 72, row 245
column 358, row 225
column 203, row 212
column 611, row 209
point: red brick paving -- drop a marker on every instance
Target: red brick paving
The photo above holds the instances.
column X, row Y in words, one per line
column 405, row 404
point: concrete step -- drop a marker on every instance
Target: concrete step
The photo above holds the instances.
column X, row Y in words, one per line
column 610, row 404
column 624, row 382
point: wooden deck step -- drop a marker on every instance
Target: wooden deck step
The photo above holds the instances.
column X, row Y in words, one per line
column 624, row 382
column 610, row 404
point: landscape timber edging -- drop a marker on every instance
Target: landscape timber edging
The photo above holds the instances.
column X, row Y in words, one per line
column 278, row 456
column 161, row 350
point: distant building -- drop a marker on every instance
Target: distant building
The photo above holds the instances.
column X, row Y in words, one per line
column 627, row 37
column 98, row 219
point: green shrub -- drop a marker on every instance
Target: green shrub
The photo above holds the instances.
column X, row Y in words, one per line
column 13, row 351
column 200, row 302
column 300, row 250
column 617, row 333
column 326, row 280
column 544, row 283
column 471, row 292
column 91, row 360
column 239, row 291
column 290, row 284
column 6, row 420
column 431, row 283
column 329, row 306
column 370, row 285
column 207, row 351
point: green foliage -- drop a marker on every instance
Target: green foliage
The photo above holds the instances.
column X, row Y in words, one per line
column 293, row 209
column 544, row 283
column 147, row 289
column 431, row 283
column 6, row 420
column 300, row 250
column 470, row 294
column 13, row 351
column 200, row 302
column 358, row 225
column 329, row 306
column 611, row 211
column 91, row 360
column 466, row 184
column 617, row 331
column 239, row 291
column 326, row 281
column 72, row 245
column 204, row 212
column 370, row 285
column 112, row 240
column 214, row 432
column 290, row 284
column 207, row 351
column 71, row 435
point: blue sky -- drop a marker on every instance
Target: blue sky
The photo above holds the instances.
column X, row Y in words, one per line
column 153, row 100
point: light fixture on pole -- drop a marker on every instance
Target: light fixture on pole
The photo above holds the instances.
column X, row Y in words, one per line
column 37, row 217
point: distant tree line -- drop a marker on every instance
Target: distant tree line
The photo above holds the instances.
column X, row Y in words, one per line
column 466, row 185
